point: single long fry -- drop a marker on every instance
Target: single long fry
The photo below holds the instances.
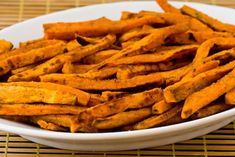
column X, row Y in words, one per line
column 213, row 108
column 230, row 97
column 90, row 84
column 72, row 45
column 167, row 7
column 73, row 68
column 82, row 97
column 47, row 125
column 99, row 56
column 158, row 119
column 202, row 98
column 20, row 94
column 157, row 57
column 222, row 55
column 77, row 54
column 122, row 119
column 5, row 46
column 94, row 28
column 31, row 42
column 150, row 42
column 179, row 91
column 109, row 95
column 38, row 109
column 22, row 69
column 101, row 74
column 31, row 57
column 50, row 66
column 213, row 23
column 161, row 107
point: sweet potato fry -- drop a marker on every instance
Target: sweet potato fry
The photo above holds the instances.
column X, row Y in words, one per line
column 67, row 121
column 122, row 119
column 50, row 66
column 72, row 45
column 19, row 94
column 126, row 15
column 213, row 108
column 161, row 107
column 5, row 46
column 19, row 70
column 138, row 100
column 99, row 56
column 150, row 42
column 222, row 56
column 157, row 57
column 167, row 7
column 94, row 28
column 205, row 67
column 230, row 97
column 31, row 42
column 101, row 74
column 109, row 95
column 82, row 97
column 213, row 23
column 76, row 68
column 31, row 57
column 174, row 120
column 47, row 125
column 86, row 40
column 38, row 109
column 158, row 119
column 88, row 50
column 101, row 85
column 180, row 90
column 202, row 98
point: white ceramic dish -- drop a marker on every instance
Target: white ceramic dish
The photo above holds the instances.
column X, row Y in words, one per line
column 117, row 140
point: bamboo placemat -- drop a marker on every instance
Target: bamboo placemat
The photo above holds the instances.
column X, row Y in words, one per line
column 217, row 143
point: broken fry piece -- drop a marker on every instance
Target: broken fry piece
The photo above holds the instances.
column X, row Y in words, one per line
column 167, row 7
column 5, row 46
column 230, row 97
column 47, row 125
column 161, row 107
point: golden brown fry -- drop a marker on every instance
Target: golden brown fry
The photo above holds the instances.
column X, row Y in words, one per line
column 71, row 68
column 38, row 109
column 205, row 67
column 67, row 121
column 161, row 107
column 213, row 23
column 101, row 74
column 138, row 100
column 202, row 98
column 127, row 15
column 86, row 40
column 31, row 42
column 72, row 45
column 50, row 66
column 150, row 42
column 101, row 85
column 174, row 120
column 20, row 94
column 77, row 54
column 158, row 119
column 180, row 90
column 222, row 56
column 230, row 97
column 157, row 57
column 31, row 57
column 167, row 7
column 109, row 95
column 47, row 125
column 94, row 28
column 122, row 119
column 19, row 70
column 5, row 46
column 213, row 108
column 82, row 97
column 99, row 56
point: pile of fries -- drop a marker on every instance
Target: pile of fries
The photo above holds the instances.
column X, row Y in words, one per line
column 148, row 69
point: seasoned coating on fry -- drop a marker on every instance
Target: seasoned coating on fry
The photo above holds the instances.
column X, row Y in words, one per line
column 202, row 98
column 74, row 68
column 31, row 42
column 213, row 23
column 180, row 90
column 19, row 70
column 82, row 97
column 230, row 97
column 94, row 28
column 99, row 56
column 47, row 125
column 100, row 74
column 39, row 109
column 156, row 120
column 213, row 108
column 161, row 107
column 5, row 46
column 72, row 45
column 101, row 85
column 31, row 57
column 109, row 95
column 50, row 66
column 157, row 57
column 122, row 119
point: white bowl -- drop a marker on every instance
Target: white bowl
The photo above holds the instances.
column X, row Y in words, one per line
column 31, row 29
